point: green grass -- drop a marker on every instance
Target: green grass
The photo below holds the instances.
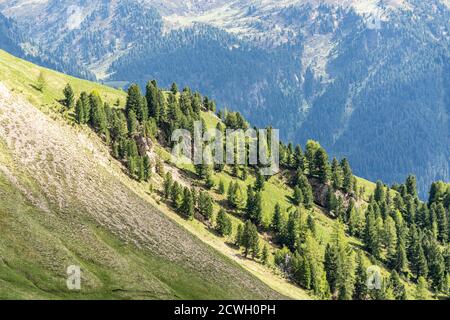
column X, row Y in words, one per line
column 21, row 76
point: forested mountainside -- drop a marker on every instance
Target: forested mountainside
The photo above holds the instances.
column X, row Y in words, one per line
column 368, row 79
column 314, row 224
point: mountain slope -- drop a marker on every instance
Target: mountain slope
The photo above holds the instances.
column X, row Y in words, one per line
column 64, row 202
column 325, row 63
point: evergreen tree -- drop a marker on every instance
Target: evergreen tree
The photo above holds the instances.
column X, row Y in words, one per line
column 422, row 289
column 398, row 288
column 265, row 255
column 134, row 102
column 79, row 112
column 168, row 182
column 260, row 181
column 361, row 289
column 147, row 168
column 187, row 207
column 69, row 97
column 239, row 235
column 379, row 195
column 310, row 155
column 250, row 239
column 98, row 116
column 322, row 166
column 223, row 224
column 336, row 174
column 221, row 187
column 436, row 265
column 411, row 186
column 205, row 205
column 347, row 182
column 132, row 123
column 442, row 222
column 176, row 195
column 277, row 220
column 297, row 197
column 390, row 238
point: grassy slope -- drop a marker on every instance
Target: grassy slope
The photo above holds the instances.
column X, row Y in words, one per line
column 37, row 245
column 275, row 192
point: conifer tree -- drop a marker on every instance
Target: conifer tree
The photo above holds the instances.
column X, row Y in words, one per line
column 421, row 292
column 176, row 195
column 187, row 206
column 79, row 112
column 297, row 197
column 347, row 182
column 239, row 235
column 223, row 223
column 69, row 97
column 260, row 181
column 277, row 220
column 168, row 182
column 322, row 166
column 398, row 288
column 205, row 204
column 361, row 289
column 221, row 187
column 336, row 174
column 265, row 255
column 134, row 102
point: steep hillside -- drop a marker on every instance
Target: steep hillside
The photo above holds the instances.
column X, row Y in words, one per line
column 65, row 201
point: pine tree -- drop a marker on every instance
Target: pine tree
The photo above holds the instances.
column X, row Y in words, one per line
column 398, row 288
column 223, row 224
column 400, row 263
column 361, row 289
column 265, row 255
column 69, row 97
column 134, row 102
column 310, row 155
column 221, row 187
column 379, row 195
column 336, row 174
column 390, row 238
column 322, row 166
column 297, row 197
column 79, row 112
column 98, row 119
column 411, row 186
column 132, row 123
column 277, row 220
column 436, row 265
column 205, row 205
column 250, row 239
column 147, row 168
column 176, row 195
column 442, row 221
column 347, row 183
column 168, row 182
column 239, row 235
column 260, row 181
column 371, row 236
column 422, row 289
column 187, row 206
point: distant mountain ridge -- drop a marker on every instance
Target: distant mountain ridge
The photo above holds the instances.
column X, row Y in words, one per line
column 368, row 79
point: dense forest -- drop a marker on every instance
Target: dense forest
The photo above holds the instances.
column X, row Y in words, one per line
column 398, row 232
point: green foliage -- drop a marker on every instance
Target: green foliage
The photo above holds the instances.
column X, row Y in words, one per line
column 223, row 224
column 69, row 97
